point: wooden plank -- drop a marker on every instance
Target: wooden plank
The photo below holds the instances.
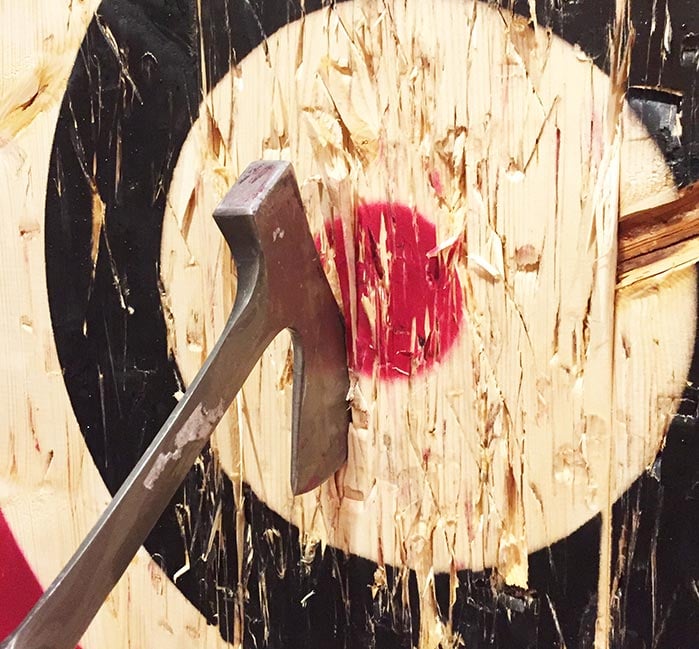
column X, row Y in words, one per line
column 464, row 170
column 440, row 476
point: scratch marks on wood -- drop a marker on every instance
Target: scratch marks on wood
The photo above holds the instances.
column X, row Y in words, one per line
column 119, row 54
column 539, row 134
column 349, row 84
column 455, row 469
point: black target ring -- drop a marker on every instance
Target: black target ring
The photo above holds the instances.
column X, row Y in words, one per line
column 123, row 121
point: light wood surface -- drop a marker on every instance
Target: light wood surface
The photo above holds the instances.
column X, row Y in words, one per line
column 559, row 387
column 50, row 491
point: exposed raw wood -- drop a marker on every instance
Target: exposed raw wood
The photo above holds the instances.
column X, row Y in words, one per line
column 600, row 411
column 50, row 491
column 568, row 359
column 657, row 239
column 541, row 413
column 652, row 229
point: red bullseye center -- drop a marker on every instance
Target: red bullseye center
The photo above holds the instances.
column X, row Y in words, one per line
column 406, row 307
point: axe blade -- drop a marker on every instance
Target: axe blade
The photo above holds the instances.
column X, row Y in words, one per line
column 264, row 223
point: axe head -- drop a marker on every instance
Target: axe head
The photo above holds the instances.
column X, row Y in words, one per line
column 279, row 274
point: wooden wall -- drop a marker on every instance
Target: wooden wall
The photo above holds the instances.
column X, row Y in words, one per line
column 522, row 468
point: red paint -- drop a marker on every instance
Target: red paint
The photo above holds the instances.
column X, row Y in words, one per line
column 19, row 587
column 414, row 290
column 436, row 182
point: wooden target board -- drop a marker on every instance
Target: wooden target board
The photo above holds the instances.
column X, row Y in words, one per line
column 522, row 453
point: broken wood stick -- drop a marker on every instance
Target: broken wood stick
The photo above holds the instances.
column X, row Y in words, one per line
column 657, row 239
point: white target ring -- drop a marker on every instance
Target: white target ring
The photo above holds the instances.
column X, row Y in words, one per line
column 372, row 105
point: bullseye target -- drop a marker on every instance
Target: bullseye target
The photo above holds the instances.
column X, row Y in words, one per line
column 462, row 170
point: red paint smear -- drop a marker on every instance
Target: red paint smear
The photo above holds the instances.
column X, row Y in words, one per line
column 418, row 289
column 19, row 588
column 436, row 182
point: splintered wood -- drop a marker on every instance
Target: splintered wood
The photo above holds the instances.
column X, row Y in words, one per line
column 557, row 388
column 465, row 173
column 655, row 240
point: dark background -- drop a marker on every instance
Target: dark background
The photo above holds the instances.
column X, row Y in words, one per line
column 123, row 120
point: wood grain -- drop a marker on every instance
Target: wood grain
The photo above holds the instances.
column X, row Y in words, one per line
column 556, row 395
column 50, row 491
column 559, row 388
column 655, row 240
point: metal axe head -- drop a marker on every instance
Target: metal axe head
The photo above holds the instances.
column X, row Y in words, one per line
column 281, row 285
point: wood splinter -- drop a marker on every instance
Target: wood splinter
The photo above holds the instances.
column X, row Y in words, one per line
column 655, row 240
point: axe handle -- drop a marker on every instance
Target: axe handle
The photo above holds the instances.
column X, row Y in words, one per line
column 65, row 610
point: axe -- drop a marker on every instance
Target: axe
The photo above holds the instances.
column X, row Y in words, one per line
column 281, row 285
